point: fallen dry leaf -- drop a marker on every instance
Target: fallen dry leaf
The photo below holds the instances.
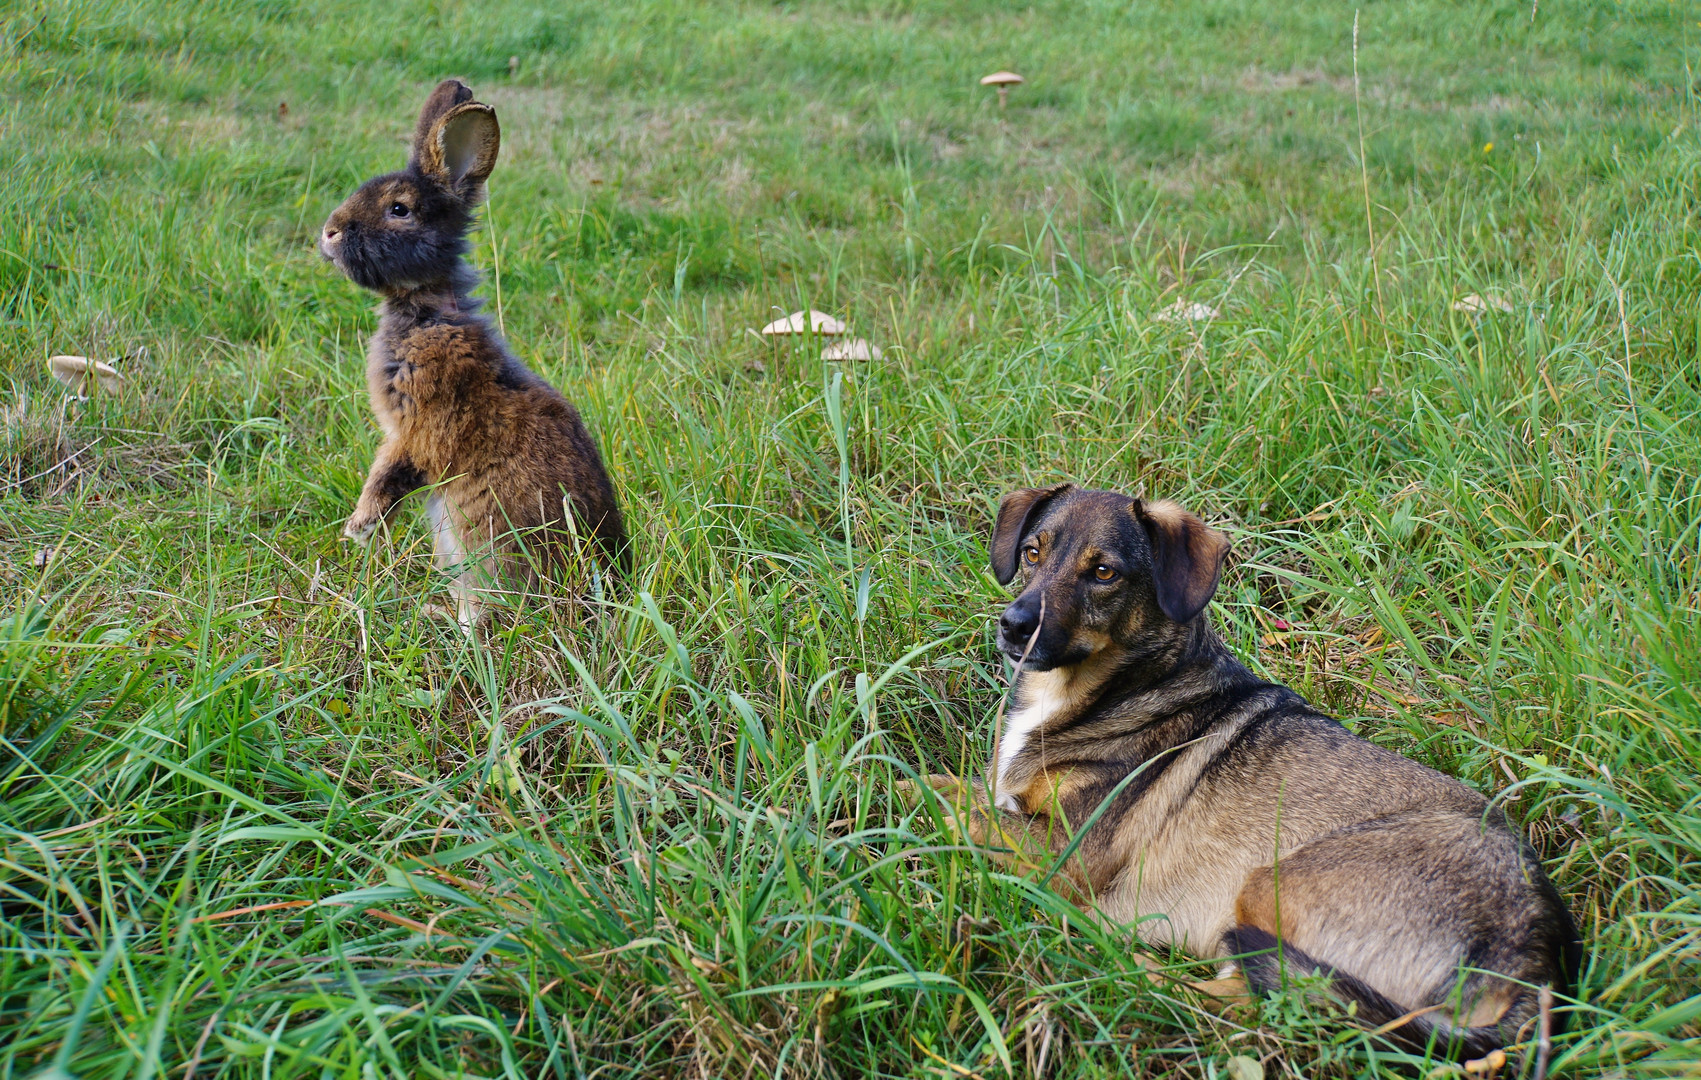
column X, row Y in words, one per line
column 1241, row 1067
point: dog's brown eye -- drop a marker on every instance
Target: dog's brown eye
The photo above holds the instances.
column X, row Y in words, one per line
column 1030, row 554
column 399, row 210
column 1104, row 573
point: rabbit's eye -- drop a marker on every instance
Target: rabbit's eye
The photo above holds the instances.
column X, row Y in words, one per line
column 399, row 210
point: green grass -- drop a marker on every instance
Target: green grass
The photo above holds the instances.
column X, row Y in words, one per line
column 261, row 817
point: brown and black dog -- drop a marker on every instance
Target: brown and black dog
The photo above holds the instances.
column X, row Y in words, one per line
column 1248, row 823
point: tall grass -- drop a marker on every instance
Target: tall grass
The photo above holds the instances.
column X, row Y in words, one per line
column 263, row 815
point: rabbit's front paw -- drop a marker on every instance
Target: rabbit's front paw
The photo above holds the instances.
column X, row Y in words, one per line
column 361, row 526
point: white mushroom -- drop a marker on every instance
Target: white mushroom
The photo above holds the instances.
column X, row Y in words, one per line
column 80, row 373
column 1004, row 80
column 1183, row 311
column 818, row 322
column 854, row 349
column 1475, row 305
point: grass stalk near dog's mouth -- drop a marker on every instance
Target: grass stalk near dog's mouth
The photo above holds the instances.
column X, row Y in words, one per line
column 262, row 815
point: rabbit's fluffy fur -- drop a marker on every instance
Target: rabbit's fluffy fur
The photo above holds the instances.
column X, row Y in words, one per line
column 515, row 473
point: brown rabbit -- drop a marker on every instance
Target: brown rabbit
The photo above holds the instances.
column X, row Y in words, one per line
column 515, row 473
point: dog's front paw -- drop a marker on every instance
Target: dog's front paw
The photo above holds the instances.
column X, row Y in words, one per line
column 910, row 791
column 361, row 526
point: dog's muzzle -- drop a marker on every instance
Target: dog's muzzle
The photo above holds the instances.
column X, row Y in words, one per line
column 1017, row 628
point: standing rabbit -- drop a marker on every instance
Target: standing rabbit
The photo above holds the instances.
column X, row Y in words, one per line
column 515, row 474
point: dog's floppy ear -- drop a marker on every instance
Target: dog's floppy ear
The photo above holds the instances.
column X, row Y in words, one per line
column 1187, row 557
column 1014, row 511
column 457, row 139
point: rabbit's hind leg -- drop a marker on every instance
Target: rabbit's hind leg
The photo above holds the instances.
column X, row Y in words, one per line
column 450, row 554
column 446, row 546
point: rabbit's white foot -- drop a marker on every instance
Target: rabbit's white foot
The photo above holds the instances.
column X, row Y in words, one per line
column 465, row 613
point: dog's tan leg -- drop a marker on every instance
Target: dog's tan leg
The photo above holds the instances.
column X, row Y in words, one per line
column 972, row 818
column 1229, row 986
column 1023, row 843
column 962, row 805
column 951, row 789
column 1028, row 843
column 1231, row 989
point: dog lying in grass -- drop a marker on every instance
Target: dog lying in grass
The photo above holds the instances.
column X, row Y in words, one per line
column 1254, row 826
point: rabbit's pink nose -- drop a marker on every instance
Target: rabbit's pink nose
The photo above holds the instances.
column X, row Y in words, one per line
column 332, row 233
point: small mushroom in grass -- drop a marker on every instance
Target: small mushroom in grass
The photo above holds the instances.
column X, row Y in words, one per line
column 1478, row 306
column 814, row 322
column 1183, row 311
column 854, row 349
column 80, row 374
column 1004, row 80
column 799, row 322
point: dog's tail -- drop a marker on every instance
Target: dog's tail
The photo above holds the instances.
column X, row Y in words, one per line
column 1263, row 956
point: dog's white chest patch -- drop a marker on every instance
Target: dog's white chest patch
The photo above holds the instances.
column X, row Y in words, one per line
column 1044, row 696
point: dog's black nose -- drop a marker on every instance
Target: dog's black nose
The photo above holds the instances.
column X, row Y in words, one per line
column 1019, row 621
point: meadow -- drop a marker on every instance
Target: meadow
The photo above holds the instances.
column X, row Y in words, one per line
column 262, row 815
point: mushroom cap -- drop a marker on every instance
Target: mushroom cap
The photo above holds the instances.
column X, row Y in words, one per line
column 818, row 322
column 1002, row 78
column 854, row 349
column 1480, row 305
column 77, row 372
column 1183, row 311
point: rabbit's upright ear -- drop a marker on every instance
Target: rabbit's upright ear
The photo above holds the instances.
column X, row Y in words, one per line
column 457, row 139
column 469, row 139
column 449, row 93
